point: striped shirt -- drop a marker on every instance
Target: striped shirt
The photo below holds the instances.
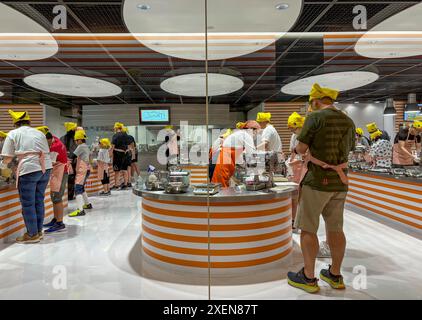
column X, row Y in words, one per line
column 330, row 135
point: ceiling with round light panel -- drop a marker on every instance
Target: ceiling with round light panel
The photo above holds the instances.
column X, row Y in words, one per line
column 22, row 38
column 341, row 81
column 235, row 28
column 72, row 85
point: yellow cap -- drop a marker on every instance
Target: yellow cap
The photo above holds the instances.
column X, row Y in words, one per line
column 80, row 135
column 417, row 124
column 118, row 125
column 359, row 131
column 372, row 127
column 376, row 134
column 70, row 126
column 227, row 133
column 43, row 129
column 168, row 127
column 3, row 134
column 105, row 142
column 19, row 116
column 263, row 117
column 318, row 93
column 295, row 120
column 240, row 125
column 125, row 129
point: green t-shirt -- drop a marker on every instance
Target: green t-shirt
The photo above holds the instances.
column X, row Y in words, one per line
column 330, row 135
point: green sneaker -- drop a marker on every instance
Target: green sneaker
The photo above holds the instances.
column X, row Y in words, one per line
column 87, row 206
column 298, row 280
column 77, row 213
column 336, row 282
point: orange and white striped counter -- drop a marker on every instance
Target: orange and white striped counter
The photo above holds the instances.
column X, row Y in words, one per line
column 11, row 220
column 247, row 229
column 198, row 173
column 395, row 200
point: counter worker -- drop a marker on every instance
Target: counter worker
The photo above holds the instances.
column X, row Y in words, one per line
column 406, row 140
column 295, row 163
column 81, row 154
column 69, row 142
column 381, row 152
column 58, row 180
column 270, row 139
column 119, row 149
column 372, row 127
column 361, row 139
column 171, row 138
column 130, row 155
column 240, row 141
column 103, row 162
column 215, row 151
column 327, row 136
column 33, row 172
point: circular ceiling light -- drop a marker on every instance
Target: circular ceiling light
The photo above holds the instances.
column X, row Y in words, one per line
column 1, row 94
column 193, row 85
column 341, row 81
column 72, row 85
column 399, row 36
column 23, row 38
column 238, row 27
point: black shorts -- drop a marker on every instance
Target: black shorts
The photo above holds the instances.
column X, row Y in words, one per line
column 136, row 158
column 120, row 161
column 106, row 178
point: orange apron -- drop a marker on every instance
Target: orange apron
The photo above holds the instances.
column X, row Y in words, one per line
column 399, row 157
column 81, row 170
column 57, row 176
column 22, row 156
column 226, row 166
column 337, row 168
column 102, row 166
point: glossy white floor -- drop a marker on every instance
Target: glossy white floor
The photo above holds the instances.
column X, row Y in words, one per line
column 99, row 258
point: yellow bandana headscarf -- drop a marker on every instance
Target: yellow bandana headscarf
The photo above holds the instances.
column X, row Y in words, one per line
column 240, row 125
column 372, row 127
column 70, row 126
column 169, row 127
column 105, row 142
column 3, row 134
column 359, row 131
column 43, row 129
column 227, row 133
column 118, row 125
column 295, row 120
column 263, row 117
column 376, row 134
column 417, row 124
column 125, row 130
column 80, row 135
column 19, row 116
column 318, row 93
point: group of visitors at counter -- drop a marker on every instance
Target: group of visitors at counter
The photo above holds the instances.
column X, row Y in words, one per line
column 405, row 150
column 43, row 159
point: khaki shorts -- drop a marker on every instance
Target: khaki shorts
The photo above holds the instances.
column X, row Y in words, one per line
column 313, row 203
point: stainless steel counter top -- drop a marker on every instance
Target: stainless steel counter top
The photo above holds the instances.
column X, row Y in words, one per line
column 225, row 195
column 387, row 175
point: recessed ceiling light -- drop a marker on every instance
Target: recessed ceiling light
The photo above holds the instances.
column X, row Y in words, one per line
column 72, row 85
column 1, row 94
column 236, row 30
column 282, row 6
column 377, row 101
column 23, row 38
column 356, row 102
column 144, row 7
column 341, row 81
column 194, row 85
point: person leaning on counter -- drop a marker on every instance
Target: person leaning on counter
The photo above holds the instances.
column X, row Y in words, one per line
column 32, row 174
column 406, row 140
column 381, row 151
column 234, row 145
column 327, row 138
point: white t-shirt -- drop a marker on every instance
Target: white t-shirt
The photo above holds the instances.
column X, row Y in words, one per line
column 293, row 141
column 270, row 135
column 27, row 139
column 240, row 139
column 104, row 156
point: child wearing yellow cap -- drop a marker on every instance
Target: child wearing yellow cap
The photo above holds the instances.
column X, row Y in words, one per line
column 103, row 166
column 81, row 154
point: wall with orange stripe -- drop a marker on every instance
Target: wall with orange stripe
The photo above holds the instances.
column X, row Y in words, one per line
column 11, row 220
column 93, row 184
column 242, row 234
column 396, row 200
column 198, row 173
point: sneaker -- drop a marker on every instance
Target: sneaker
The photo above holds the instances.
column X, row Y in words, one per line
column 87, row 206
column 324, row 250
column 123, row 188
column 26, row 238
column 299, row 280
column 58, row 227
column 129, row 185
column 41, row 235
column 50, row 224
column 108, row 193
column 77, row 213
column 102, row 194
column 336, row 282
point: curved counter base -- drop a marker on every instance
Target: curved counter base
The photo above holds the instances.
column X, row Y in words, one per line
column 245, row 231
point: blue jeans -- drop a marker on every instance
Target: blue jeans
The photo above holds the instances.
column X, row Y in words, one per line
column 31, row 193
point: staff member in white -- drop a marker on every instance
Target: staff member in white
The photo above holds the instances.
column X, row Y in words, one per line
column 33, row 172
column 270, row 139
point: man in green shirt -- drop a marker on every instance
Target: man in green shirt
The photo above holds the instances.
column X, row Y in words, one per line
column 327, row 137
